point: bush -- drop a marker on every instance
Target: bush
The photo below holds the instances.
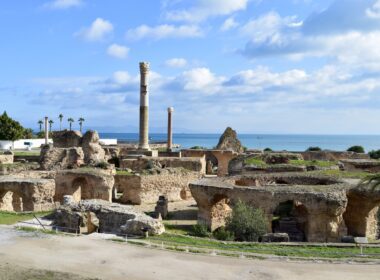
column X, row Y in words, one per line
column 268, row 150
column 313, row 149
column 374, row 154
column 200, row 230
column 356, row 149
column 102, row 164
column 198, row 148
column 223, row 234
column 246, row 223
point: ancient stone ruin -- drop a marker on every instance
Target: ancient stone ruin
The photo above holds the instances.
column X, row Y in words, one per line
column 307, row 207
column 230, row 142
column 89, row 216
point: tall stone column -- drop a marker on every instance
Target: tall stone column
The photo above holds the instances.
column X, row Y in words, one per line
column 46, row 130
column 144, row 106
column 170, row 131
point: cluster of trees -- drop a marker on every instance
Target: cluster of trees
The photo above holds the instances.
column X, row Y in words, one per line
column 12, row 130
column 60, row 117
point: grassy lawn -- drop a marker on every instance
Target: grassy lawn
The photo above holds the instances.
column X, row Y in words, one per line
column 10, row 218
column 123, row 172
column 26, row 153
column 345, row 174
column 255, row 161
column 318, row 163
column 308, row 251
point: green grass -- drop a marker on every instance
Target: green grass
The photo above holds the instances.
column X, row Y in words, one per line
column 32, row 229
column 26, row 153
column 10, row 218
column 123, row 172
column 307, row 251
column 345, row 174
column 255, row 161
column 319, row 163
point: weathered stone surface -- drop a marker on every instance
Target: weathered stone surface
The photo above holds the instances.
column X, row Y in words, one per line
column 280, row 158
column 332, row 155
column 171, row 182
column 278, row 168
column 275, row 237
column 317, row 201
column 53, row 158
column 93, row 151
column 67, row 139
column 367, row 165
column 6, row 158
column 229, row 141
column 86, row 183
column 20, row 194
column 106, row 217
column 143, row 163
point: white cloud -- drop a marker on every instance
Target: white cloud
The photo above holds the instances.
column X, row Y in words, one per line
column 374, row 11
column 176, row 62
column 229, row 24
column 164, row 31
column 118, row 51
column 98, row 30
column 63, row 4
column 204, row 9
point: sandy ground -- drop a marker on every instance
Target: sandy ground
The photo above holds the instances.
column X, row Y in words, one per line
column 97, row 258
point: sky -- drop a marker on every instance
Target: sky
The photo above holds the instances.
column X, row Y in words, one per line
column 259, row 66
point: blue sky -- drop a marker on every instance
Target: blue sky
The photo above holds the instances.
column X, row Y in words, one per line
column 260, row 66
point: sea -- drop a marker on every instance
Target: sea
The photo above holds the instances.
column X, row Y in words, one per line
column 261, row 141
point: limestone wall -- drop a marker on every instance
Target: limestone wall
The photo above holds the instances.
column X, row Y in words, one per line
column 372, row 166
column 20, row 194
column 332, row 155
column 6, row 159
column 139, row 189
column 84, row 184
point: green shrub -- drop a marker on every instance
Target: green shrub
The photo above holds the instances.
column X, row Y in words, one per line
column 313, row 149
column 102, row 165
column 198, row 148
column 246, row 223
column 223, row 234
column 374, row 154
column 200, row 230
column 356, row 149
column 268, row 150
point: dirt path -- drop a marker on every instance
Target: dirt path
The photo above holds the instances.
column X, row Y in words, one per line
column 110, row 260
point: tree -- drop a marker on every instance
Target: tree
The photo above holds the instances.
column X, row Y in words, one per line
column 40, row 122
column 60, row 117
column 313, row 149
column 374, row 154
column 50, row 125
column 81, row 121
column 28, row 133
column 356, row 149
column 70, row 120
column 10, row 129
column 246, row 222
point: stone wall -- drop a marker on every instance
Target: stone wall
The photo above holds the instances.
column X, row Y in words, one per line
column 143, row 163
column 22, row 194
column 372, row 166
column 6, row 159
column 327, row 202
column 332, row 155
column 140, row 189
column 84, row 183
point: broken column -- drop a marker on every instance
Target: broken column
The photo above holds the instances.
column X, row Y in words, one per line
column 144, row 106
column 170, row 131
column 46, row 131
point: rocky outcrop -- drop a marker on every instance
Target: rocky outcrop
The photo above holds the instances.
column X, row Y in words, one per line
column 84, row 183
column 93, row 151
column 67, row 139
column 88, row 216
column 61, row 158
column 71, row 150
column 229, row 141
column 25, row 194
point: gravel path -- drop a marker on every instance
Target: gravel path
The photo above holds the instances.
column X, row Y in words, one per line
column 97, row 258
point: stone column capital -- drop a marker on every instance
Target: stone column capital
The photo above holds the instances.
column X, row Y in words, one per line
column 144, row 67
column 170, row 110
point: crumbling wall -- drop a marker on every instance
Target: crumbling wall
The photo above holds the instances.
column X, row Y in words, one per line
column 139, row 189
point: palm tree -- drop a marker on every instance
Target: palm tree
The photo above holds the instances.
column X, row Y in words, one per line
column 51, row 124
column 70, row 120
column 40, row 122
column 60, row 117
column 81, row 120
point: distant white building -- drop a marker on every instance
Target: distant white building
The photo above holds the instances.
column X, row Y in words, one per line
column 25, row 144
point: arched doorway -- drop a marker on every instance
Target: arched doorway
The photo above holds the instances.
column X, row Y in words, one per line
column 211, row 164
column 291, row 217
column 11, row 201
column 219, row 211
column 81, row 190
